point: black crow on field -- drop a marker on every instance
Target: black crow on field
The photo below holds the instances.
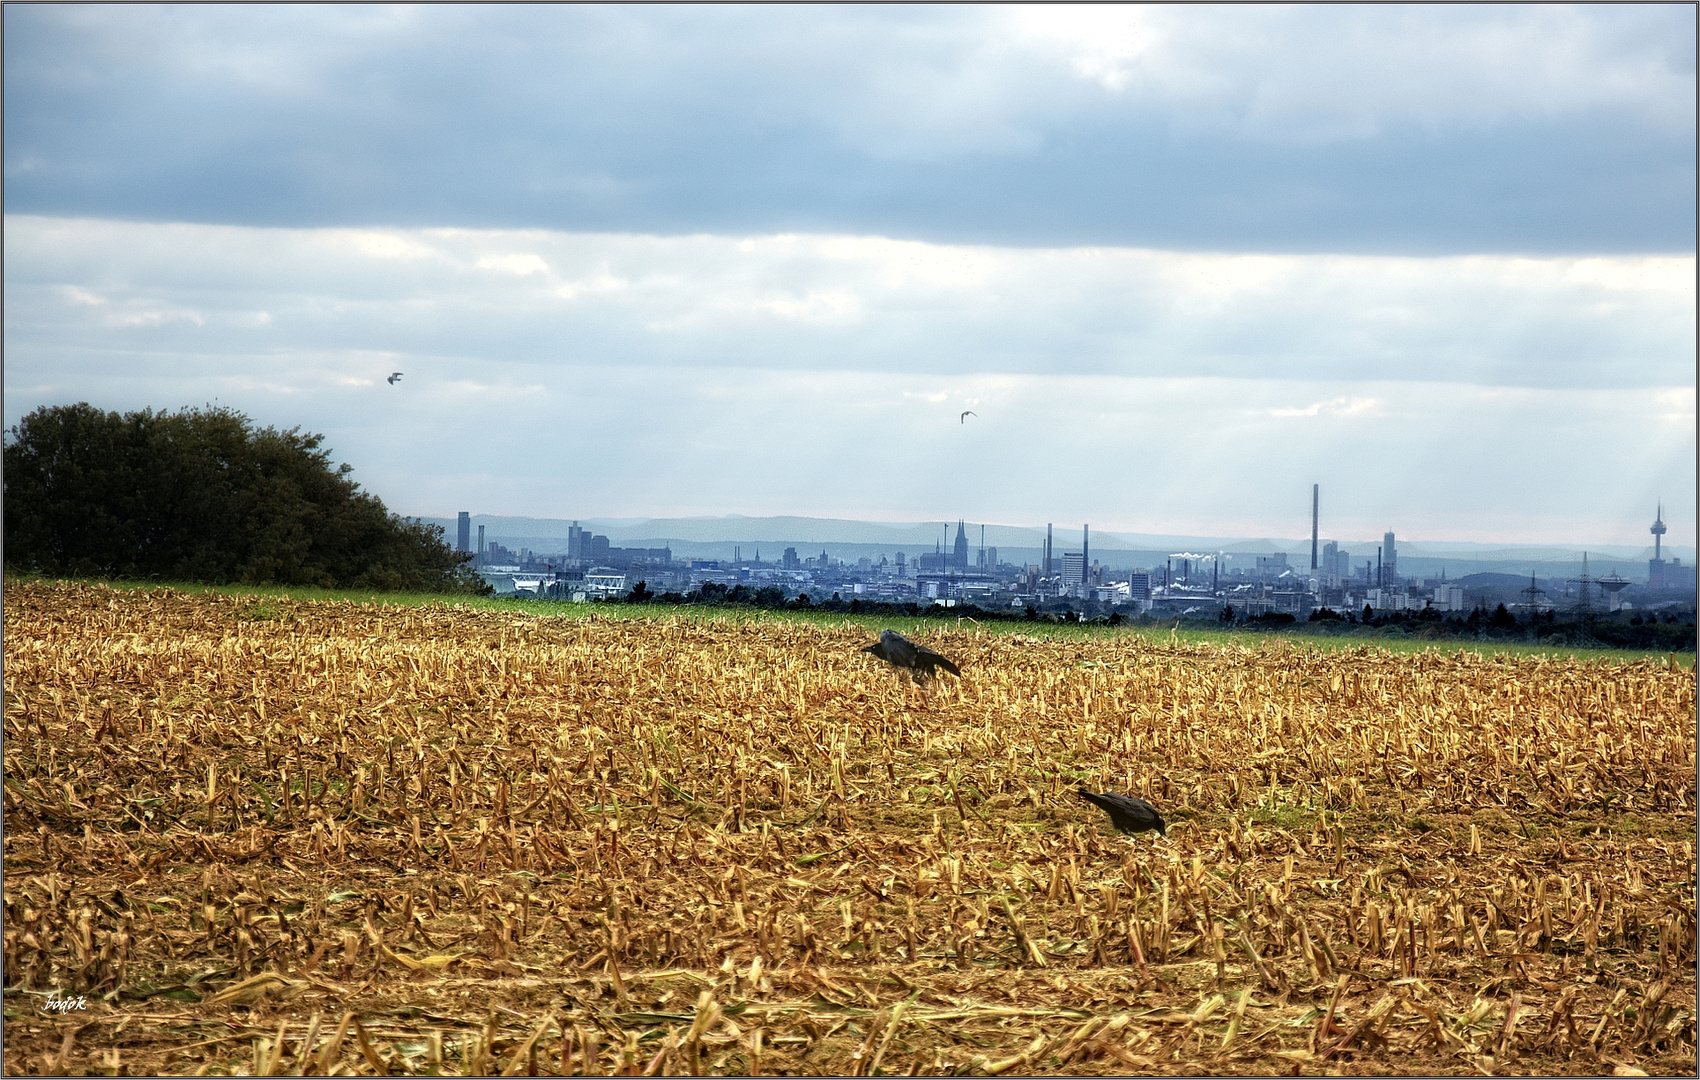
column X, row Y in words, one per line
column 918, row 660
column 1127, row 814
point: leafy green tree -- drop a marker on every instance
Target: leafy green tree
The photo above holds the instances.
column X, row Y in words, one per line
column 205, row 495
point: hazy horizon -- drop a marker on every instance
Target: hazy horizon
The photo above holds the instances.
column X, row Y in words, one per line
column 914, row 537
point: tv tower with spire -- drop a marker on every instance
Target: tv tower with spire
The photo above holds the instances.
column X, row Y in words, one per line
column 1656, row 565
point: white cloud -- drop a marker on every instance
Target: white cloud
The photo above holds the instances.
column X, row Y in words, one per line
column 835, row 306
column 1340, row 406
column 519, row 264
column 847, row 302
column 599, row 282
column 1660, row 273
column 379, row 245
column 1497, row 397
column 155, row 318
column 865, row 302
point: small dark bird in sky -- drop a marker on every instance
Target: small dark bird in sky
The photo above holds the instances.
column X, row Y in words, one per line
column 966, row 413
column 394, row 375
column 920, row 661
column 1127, row 814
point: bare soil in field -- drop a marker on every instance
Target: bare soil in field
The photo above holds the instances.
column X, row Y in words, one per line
column 274, row 837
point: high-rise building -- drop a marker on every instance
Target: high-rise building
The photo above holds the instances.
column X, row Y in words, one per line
column 789, row 562
column 480, row 542
column 991, row 558
column 1047, row 572
column 1085, row 551
column 900, row 567
column 1073, row 566
column 1335, row 561
column 1389, row 560
column 463, row 532
column 1139, row 586
column 1343, row 564
column 575, row 541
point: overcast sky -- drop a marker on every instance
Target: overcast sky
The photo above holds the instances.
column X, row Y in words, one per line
column 1181, row 263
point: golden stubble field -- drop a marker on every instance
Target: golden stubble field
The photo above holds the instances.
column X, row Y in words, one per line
column 264, row 836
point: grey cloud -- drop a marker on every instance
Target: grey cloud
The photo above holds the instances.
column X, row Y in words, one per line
column 1412, row 130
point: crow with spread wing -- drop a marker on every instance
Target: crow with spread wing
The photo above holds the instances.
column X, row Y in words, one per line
column 918, row 660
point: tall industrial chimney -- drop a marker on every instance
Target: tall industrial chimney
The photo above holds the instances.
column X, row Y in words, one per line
column 480, row 545
column 1047, row 549
column 1315, row 502
column 1085, row 552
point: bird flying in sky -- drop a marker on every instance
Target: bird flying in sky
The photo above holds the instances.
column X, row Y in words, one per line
column 394, row 375
column 966, row 413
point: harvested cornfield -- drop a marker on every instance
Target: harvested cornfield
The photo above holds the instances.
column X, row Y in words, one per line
column 264, row 836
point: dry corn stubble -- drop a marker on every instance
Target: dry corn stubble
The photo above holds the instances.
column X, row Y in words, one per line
column 336, row 837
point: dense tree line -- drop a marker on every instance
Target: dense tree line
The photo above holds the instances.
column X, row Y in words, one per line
column 772, row 598
column 1675, row 631
column 204, row 495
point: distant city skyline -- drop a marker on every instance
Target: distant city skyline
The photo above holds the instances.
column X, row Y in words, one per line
column 1178, row 263
column 1253, row 578
column 554, row 534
